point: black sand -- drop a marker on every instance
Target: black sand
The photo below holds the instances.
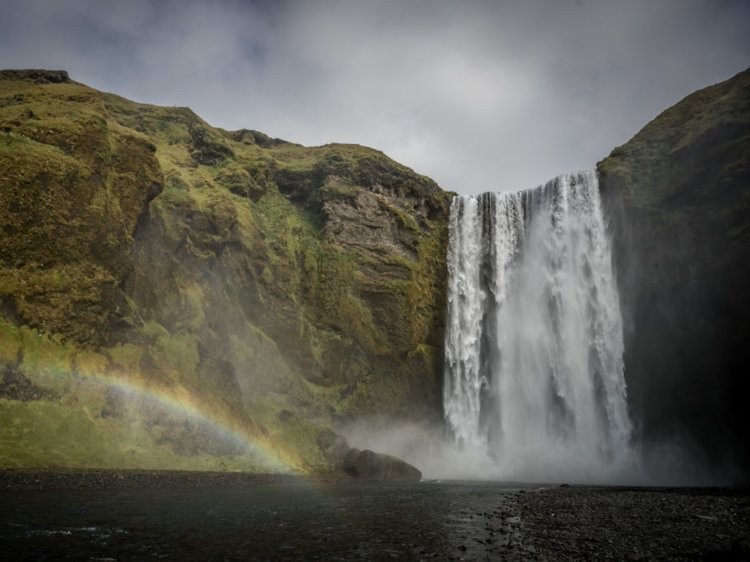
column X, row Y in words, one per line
column 147, row 515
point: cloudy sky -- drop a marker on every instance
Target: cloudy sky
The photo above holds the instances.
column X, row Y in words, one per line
column 478, row 95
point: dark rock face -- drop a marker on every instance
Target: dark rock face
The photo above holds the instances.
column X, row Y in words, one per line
column 38, row 76
column 14, row 385
column 368, row 465
column 208, row 148
column 364, row 465
column 248, row 136
column 333, row 445
column 678, row 200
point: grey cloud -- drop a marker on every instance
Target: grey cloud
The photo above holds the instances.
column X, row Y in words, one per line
column 479, row 95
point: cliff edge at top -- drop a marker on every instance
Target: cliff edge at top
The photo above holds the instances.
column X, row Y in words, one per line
column 274, row 288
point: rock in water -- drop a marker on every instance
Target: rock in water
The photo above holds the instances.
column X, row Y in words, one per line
column 364, row 465
column 368, row 465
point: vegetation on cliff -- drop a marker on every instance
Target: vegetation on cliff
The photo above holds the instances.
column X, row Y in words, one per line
column 276, row 288
column 173, row 295
column 678, row 198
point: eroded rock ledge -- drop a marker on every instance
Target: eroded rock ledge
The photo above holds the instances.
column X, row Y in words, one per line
column 365, row 465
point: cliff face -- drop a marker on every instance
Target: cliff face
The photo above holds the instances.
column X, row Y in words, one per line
column 173, row 295
column 678, row 199
column 273, row 287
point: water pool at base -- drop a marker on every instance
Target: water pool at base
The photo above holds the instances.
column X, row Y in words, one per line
column 263, row 521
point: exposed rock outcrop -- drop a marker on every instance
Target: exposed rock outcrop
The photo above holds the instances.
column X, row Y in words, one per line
column 368, row 465
column 280, row 287
column 364, row 465
column 37, row 75
column 276, row 289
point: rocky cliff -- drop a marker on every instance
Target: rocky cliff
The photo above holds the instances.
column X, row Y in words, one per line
column 173, row 295
column 678, row 198
column 164, row 283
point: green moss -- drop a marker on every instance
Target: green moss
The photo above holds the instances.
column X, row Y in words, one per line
column 685, row 146
column 76, row 426
column 404, row 219
column 179, row 352
column 40, row 353
column 339, row 188
column 73, row 189
column 11, row 343
column 426, row 292
column 126, row 357
column 42, row 434
column 236, row 179
column 290, row 237
column 149, row 247
column 90, row 363
column 335, row 291
column 294, row 439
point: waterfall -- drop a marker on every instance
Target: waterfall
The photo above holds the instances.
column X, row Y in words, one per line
column 534, row 372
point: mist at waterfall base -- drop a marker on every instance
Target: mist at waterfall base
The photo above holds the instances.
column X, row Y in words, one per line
column 534, row 381
column 534, row 344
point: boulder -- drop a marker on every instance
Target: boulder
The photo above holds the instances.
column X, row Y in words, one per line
column 369, row 465
column 364, row 465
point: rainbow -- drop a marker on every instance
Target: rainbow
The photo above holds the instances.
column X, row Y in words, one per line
column 181, row 401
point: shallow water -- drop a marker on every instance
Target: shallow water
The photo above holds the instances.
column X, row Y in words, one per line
column 263, row 521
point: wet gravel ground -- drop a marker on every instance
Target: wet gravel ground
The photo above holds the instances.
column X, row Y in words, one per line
column 584, row 523
column 141, row 515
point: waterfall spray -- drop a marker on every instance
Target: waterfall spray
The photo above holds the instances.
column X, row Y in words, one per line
column 534, row 372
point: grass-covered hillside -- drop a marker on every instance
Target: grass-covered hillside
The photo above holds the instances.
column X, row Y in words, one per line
column 179, row 296
column 678, row 196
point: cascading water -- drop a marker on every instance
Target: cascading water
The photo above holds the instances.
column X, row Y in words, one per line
column 534, row 369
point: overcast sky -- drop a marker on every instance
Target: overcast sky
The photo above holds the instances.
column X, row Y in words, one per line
column 479, row 95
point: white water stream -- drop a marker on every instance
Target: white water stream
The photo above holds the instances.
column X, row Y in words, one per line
column 534, row 375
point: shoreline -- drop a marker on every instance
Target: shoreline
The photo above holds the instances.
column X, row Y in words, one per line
column 12, row 478
column 24, row 479
column 460, row 520
column 627, row 523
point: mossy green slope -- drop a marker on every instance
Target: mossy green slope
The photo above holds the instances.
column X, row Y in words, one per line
column 678, row 198
column 282, row 287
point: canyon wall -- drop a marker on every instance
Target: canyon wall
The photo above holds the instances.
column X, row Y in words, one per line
column 678, row 200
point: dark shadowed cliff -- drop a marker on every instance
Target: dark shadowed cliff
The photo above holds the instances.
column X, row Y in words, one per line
column 155, row 268
column 678, row 198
